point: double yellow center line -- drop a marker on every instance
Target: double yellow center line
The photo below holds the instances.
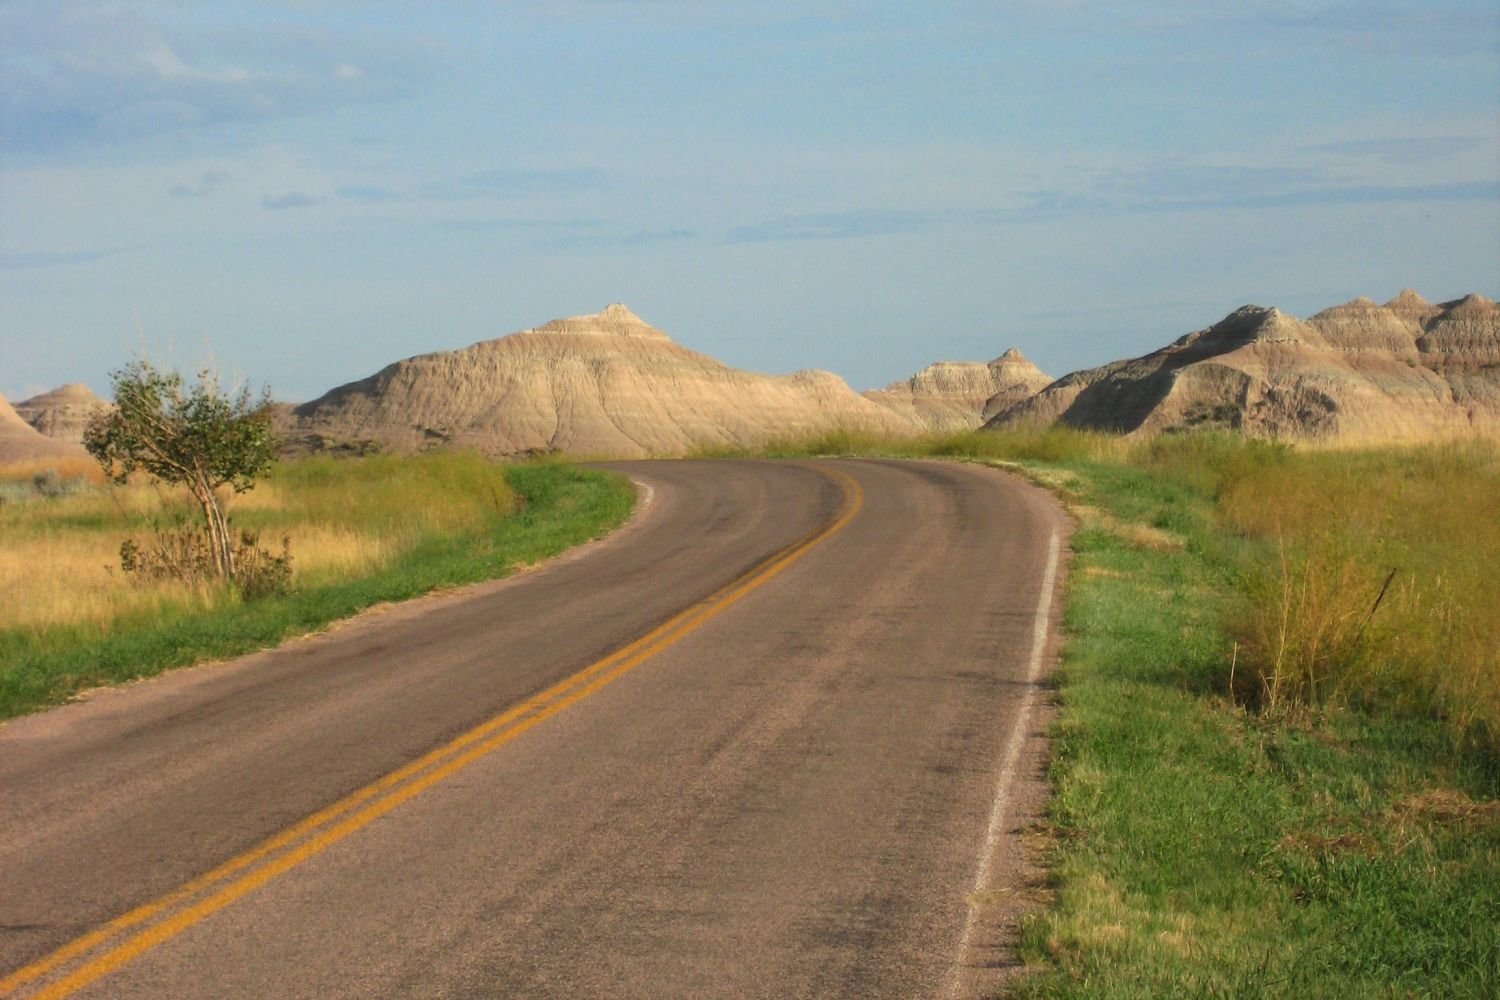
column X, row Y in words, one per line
column 127, row 937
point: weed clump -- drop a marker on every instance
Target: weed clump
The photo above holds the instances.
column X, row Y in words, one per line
column 184, row 553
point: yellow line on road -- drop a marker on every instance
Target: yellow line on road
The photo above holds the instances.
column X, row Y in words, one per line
column 240, row 875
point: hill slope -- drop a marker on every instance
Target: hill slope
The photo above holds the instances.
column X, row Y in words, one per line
column 1359, row 372
column 606, row 385
column 20, row 442
column 962, row 395
column 63, row 412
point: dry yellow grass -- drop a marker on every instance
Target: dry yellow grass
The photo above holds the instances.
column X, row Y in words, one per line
column 66, row 468
column 61, row 580
column 59, row 566
column 1382, row 580
column 326, row 552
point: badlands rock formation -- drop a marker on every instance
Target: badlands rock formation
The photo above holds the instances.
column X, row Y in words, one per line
column 62, row 413
column 962, row 395
column 604, row 385
column 1356, row 373
column 20, row 442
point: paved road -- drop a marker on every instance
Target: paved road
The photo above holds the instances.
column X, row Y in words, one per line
column 749, row 746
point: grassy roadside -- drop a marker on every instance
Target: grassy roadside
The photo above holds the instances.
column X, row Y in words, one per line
column 1208, row 848
column 372, row 530
column 1211, row 833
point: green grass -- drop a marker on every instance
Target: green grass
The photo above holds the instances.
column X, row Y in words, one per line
column 1342, row 840
column 1202, row 848
column 479, row 521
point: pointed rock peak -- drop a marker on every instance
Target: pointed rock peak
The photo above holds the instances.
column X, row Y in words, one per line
column 1471, row 303
column 1243, row 326
column 614, row 320
column 1408, row 299
column 1359, row 309
column 817, row 377
column 1016, row 366
column 1280, row 325
column 619, row 312
column 1249, row 314
column 71, row 393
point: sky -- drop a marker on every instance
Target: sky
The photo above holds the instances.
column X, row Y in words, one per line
column 299, row 193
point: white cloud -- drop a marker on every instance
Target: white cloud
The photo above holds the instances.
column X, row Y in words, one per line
column 85, row 73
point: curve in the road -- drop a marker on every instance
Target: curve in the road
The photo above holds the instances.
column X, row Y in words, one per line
column 156, row 922
column 785, row 712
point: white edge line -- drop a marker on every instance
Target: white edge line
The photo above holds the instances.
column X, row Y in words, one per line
column 1040, row 628
column 645, row 492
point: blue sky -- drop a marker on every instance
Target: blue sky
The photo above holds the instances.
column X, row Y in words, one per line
column 299, row 193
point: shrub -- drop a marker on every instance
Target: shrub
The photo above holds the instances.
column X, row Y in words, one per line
column 186, row 553
column 48, row 483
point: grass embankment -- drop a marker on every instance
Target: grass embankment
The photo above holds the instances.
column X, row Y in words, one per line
column 1265, row 784
column 361, row 532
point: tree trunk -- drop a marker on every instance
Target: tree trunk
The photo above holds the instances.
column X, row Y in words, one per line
column 218, row 531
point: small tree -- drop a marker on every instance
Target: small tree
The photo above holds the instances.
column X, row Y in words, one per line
column 195, row 436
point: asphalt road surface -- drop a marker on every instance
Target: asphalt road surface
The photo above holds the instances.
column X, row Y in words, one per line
column 764, row 741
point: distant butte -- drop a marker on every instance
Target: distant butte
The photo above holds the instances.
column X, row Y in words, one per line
column 1355, row 373
column 962, row 395
column 20, row 442
column 610, row 384
column 606, row 384
column 63, row 412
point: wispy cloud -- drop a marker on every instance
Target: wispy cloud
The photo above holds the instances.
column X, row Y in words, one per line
column 1404, row 151
column 1180, row 181
column 1173, row 187
column 1415, row 28
column 87, row 73
column 1402, row 28
column 70, row 258
column 1366, row 195
column 292, row 199
column 206, row 184
column 651, row 237
column 368, row 193
column 599, row 237
column 830, row 226
column 514, row 183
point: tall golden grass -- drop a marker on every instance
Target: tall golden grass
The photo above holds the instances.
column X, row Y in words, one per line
column 1047, row 444
column 1379, row 578
column 59, row 565
column 80, row 468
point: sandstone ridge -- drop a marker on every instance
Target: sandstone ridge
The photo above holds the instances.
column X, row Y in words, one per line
column 1360, row 372
column 606, row 384
column 63, row 412
column 20, row 442
column 962, row 395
